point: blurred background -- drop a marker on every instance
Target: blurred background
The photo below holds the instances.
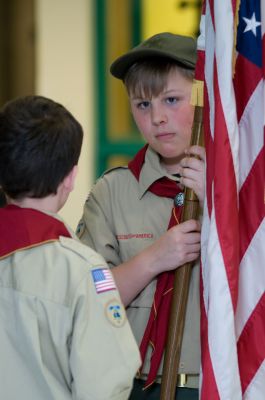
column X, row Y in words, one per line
column 62, row 49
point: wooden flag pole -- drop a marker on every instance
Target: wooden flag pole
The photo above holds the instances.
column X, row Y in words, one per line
column 182, row 274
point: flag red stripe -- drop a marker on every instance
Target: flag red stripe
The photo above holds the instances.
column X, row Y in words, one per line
column 234, row 5
column 251, row 344
column 252, row 192
column 225, row 196
column 199, row 70
column 250, row 74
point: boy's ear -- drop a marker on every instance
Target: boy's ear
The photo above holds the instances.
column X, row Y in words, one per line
column 69, row 180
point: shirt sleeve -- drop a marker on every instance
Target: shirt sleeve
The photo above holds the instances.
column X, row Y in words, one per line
column 96, row 227
column 104, row 356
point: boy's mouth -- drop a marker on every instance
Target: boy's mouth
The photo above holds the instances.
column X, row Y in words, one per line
column 165, row 135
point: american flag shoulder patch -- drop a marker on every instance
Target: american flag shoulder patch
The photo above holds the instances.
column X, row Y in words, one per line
column 103, row 280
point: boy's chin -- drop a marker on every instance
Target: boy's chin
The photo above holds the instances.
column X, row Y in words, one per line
column 171, row 157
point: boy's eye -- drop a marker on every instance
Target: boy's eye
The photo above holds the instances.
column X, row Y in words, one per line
column 143, row 104
column 172, row 100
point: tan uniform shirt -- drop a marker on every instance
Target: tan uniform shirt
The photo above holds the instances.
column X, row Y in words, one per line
column 61, row 337
column 121, row 217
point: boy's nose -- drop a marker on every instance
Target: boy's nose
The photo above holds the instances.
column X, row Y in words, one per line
column 158, row 116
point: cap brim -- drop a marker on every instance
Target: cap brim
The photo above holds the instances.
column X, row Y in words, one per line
column 120, row 66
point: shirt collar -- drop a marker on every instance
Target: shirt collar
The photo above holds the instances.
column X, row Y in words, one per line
column 152, row 170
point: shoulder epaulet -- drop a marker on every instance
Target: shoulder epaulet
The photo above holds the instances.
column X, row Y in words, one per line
column 83, row 251
column 105, row 173
column 113, row 169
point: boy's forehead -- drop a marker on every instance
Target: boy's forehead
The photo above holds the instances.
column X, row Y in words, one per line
column 148, row 83
column 172, row 83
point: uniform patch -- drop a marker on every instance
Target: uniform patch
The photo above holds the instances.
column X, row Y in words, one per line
column 115, row 312
column 103, row 280
column 135, row 236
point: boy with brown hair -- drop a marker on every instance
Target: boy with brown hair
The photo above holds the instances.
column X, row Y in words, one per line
column 63, row 329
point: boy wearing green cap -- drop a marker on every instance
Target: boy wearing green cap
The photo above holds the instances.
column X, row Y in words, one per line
column 132, row 214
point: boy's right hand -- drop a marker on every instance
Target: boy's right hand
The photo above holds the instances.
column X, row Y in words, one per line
column 193, row 171
column 180, row 244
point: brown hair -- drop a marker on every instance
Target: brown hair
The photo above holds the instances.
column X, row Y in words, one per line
column 149, row 77
column 40, row 142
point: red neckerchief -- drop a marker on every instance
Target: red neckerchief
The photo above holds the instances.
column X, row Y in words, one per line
column 21, row 228
column 156, row 330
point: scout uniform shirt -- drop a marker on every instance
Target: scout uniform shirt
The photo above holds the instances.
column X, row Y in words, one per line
column 63, row 330
column 121, row 218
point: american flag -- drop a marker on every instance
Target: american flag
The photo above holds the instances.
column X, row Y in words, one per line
column 233, row 232
column 103, row 280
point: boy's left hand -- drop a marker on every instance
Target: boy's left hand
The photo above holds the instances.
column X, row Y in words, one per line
column 193, row 171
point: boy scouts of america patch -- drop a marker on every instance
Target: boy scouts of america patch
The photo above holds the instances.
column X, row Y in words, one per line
column 115, row 313
column 103, row 280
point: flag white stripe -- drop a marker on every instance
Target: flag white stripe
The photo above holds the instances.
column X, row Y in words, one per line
column 251, row 129
column 224, row 35
column 222, row 345
column 251, row 278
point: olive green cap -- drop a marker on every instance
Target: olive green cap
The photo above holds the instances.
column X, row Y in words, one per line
column 181, row 49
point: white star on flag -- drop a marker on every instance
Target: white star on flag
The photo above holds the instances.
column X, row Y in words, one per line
column 252, row 24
